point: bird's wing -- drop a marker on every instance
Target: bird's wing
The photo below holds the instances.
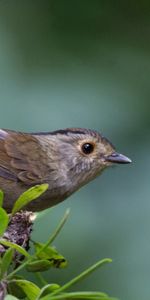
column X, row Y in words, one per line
column 22, row 158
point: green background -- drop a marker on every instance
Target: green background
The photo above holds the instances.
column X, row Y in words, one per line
column 87, row 64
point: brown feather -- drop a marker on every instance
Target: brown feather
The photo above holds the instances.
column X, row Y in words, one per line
column 21, row 155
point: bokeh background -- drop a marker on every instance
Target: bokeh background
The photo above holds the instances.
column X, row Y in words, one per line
column 87, row 64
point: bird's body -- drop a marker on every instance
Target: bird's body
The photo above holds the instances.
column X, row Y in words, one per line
column 65, row 159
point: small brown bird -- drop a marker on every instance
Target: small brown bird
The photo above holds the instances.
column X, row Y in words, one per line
column 65, row 159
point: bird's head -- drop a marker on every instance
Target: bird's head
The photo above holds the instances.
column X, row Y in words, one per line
column 85, row 154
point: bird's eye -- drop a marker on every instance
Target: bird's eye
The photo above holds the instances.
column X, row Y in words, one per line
column 87, row 148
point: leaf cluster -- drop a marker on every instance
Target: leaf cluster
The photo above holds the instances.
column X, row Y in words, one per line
column 45, row 257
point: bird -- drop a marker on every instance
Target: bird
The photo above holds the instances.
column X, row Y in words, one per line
column 66, row 159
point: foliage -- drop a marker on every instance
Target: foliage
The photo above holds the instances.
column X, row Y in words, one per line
column 45, row 256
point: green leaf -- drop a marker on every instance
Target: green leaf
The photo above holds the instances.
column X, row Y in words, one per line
column 39, row 265
column 1, row 198
column 6, row 261
column 4, row 219
column 15, row 246
column 10, row 297
column 29, row 288
column 14, row 288
column 28, row 196
column 51, row 254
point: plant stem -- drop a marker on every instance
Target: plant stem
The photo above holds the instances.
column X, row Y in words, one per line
column 56, row 232
column 79, row 295
column 82, row 275
column 18, row 269
column 41, row 279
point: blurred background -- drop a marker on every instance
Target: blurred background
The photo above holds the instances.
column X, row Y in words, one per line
column 87, row 64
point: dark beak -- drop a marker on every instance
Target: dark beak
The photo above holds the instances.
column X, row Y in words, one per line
column 118, row 158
